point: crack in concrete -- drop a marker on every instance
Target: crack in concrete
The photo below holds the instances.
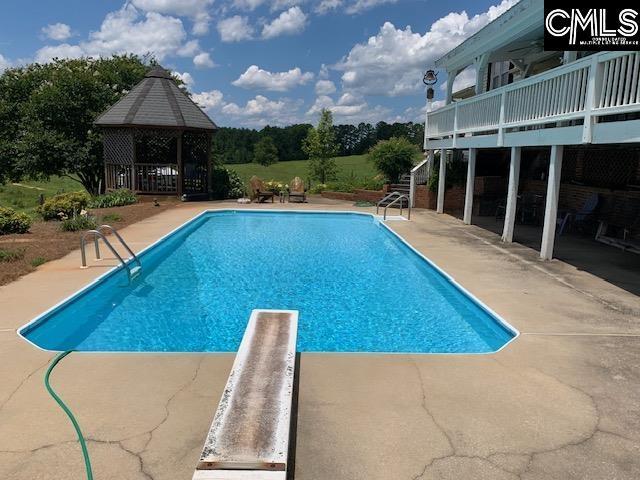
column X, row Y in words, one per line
column 21, row 384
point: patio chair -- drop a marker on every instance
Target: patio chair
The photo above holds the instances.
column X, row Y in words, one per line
column 259, row 191
column 297, row 190
column 572, row 217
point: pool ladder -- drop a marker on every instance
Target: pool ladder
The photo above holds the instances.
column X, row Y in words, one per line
column 398, row 197
column 132, row 272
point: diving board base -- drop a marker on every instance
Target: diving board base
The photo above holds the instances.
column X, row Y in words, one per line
column 238, row 475
column 249, row 436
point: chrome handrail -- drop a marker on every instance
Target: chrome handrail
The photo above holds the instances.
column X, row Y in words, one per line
column 384, row 217
column 97, row 234
column 119, row 237
column 385, row 198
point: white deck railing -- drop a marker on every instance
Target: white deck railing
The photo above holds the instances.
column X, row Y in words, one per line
column 601, row 84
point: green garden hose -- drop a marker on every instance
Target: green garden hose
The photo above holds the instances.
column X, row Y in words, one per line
column 85, row 452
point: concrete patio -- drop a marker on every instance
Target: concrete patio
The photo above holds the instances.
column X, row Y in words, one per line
column 560, row 402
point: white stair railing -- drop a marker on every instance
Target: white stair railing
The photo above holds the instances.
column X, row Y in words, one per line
column 419, row 176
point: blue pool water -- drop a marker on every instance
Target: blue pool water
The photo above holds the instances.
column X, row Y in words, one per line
column 357, row 286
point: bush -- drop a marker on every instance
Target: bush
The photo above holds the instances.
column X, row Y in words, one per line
column 226, row 184
column 13, row 222
column 393, row 157
column 116, row 198
column 78, row 222
column 63, row 205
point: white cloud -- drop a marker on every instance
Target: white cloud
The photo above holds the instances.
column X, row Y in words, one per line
column 391, row 63
column 4, row 63
column 64, row 50
column 235, row 29
column 203, row 60
column 126, row 31
column 349, row 108
column 247, row 4
column 288, row 23
column 261, row 111
column 325, row 87
column 257, row 78
column 326, row 6
column 186, row 78
column 208, row 100
column 57, row 31
column 196, row 10
column 277, row 5
column 362, row 5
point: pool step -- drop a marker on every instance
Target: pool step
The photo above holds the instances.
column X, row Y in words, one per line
column 249, row 436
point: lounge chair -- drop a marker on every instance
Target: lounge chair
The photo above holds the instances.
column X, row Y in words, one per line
column 297, row 190
column 260, row 193
column 581, row 216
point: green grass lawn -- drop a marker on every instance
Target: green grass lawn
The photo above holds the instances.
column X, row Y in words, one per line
column 355, row 165
column 23, row 196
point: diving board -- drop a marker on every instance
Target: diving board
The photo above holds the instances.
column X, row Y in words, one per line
column 249, row 436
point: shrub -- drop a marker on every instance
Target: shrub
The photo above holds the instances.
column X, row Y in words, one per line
column 115, row 198
column 36, row 262
column 226, row 184
column 78, row 222
column 13, row 222
column 393, row 157
column 63, row 205
column 11, row 255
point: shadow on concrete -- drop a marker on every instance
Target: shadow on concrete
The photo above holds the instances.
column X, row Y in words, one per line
column 613, row 265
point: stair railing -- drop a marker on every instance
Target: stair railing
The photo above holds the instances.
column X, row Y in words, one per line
column 419, row 176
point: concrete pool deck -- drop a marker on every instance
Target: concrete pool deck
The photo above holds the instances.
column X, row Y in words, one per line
column 561, row 402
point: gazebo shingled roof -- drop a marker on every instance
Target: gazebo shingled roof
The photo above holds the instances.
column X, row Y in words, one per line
column 157, row 140
column 156, row 102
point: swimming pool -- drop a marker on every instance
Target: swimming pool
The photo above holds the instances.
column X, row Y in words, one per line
column 357, row 285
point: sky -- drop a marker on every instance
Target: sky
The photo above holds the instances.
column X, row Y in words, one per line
column 251, row 63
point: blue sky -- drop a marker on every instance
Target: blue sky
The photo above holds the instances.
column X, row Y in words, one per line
column 257, row 62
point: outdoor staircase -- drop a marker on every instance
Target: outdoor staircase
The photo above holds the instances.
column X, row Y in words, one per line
column 403, row 188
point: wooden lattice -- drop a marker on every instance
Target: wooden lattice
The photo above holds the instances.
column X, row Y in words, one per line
column 118, row 146
column 614, row 168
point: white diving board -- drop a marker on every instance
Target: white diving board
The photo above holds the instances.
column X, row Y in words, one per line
column 249, row 436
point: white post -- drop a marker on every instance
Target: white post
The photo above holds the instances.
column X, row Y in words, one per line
column 471, row 178
column 441, row 181
column 594, row 89
column 451, row 76
column 551, row 208
column 412, row 189
column 430, row 157
column 568, row 57
column 512, row 195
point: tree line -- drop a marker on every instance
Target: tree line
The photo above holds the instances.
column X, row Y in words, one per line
column 238, row 145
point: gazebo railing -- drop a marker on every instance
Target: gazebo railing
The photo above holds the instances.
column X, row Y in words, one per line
column 157, row 178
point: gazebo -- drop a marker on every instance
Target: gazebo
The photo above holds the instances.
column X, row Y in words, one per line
column 157, row 140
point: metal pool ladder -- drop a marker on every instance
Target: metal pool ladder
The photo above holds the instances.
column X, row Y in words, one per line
column 398, row 197
column 97, row 234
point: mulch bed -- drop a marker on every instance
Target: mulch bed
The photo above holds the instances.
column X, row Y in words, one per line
column 46, row 241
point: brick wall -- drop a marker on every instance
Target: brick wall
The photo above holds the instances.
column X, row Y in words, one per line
column 573, row 197
column 358, row 195
column 453, row 198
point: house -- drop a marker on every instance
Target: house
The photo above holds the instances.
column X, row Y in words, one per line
column 575, row 113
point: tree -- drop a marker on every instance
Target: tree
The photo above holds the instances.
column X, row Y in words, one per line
column 393, row 157
column 265, row 152
column 47, row 113
column 320, row 145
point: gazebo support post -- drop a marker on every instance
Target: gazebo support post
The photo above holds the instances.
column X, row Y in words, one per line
column 133, row 164
column 209, row 170
column 180, row 168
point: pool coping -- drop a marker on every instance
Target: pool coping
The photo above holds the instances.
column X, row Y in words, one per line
column 112, row 271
